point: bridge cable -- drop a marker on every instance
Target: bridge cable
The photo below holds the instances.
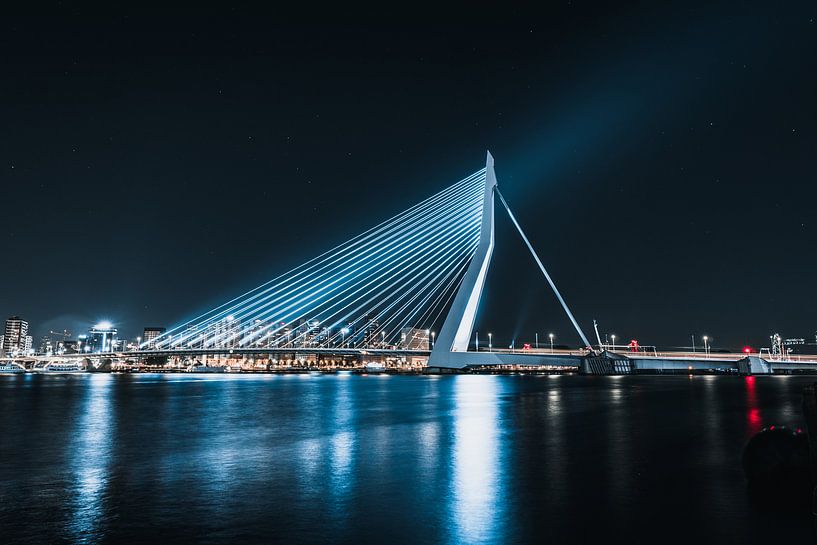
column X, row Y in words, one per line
column 542, row 268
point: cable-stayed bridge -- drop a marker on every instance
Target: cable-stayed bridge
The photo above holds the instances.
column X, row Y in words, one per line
column 382, row 294
column 385, row 289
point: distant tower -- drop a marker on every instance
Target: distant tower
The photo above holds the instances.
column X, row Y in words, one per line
column 45, row 345
column 777, row 346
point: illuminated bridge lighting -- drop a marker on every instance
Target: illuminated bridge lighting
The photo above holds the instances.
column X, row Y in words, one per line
column 400, row 274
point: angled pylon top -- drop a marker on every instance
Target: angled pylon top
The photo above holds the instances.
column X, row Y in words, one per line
column 459, row 323
column 451, row 347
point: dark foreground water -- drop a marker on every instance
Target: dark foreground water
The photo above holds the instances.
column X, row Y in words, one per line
column 379, row 459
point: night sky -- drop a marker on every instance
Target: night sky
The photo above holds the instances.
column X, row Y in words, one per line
column 662, row 159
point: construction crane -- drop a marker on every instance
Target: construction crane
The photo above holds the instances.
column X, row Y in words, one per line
column 65, row 334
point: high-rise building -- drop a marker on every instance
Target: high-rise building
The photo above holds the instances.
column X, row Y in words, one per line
column 45, row 345
column 259, row 335
column 312, row 333
column 70, row 346
column 370, row 336
column 191, row 338
column 101, row 337
column 414, row 339
column 150, row 335
column 223, row 333
column 15, row 338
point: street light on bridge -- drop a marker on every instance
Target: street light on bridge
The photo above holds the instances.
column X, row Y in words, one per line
column 550, row 336
column 490, row 342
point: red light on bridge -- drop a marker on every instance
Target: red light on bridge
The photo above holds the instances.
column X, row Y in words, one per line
column 747, row 350
column 526, row 346
column 633, row 345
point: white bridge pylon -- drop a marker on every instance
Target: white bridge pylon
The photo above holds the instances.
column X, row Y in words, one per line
column 377, row 290
column 451, row 348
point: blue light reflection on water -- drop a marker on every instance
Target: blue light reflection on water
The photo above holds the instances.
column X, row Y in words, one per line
column 305, row 459
column 91, row 459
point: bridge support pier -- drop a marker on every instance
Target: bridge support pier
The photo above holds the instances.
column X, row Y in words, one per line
column 610, row 363
column 753, row 365
column 607, row 363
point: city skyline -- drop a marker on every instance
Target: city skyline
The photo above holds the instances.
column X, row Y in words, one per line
column 190, row 185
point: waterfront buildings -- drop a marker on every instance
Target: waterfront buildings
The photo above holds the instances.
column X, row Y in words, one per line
column 412, row 338
column 101, row 338
column 224, row 333
column 45, row 346
column 149, row 336
column 191, row 337
column 16, row 339
column 370, row 338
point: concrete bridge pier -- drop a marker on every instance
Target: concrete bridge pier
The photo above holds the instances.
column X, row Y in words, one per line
column 610, row 363
column 607, row 363
column 753, row 365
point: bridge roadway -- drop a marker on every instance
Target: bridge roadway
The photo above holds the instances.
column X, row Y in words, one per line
column 564, row 359
column 680, row 362
column 305, row 351
column 335, row 351
column 569, row 360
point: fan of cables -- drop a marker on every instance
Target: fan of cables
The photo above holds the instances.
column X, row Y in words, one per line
column 399, row 275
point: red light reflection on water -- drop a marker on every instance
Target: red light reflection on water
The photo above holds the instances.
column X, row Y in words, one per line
column 753, row 420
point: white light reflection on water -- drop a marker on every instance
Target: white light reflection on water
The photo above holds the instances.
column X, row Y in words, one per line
column 619, row 453
column 553, row 444
column 476, row 497
column 428, row 435
column 226, row 453
column 791, row 412
column 90, row 463
column 342, row 443
column 311, row 447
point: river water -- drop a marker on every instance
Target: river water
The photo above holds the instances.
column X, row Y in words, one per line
column 387, row 459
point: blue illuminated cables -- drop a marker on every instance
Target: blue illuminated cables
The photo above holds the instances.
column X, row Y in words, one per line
column 384, row 239
column 342, row 279
column 403, row 316
column 403, row 267
column 362, row 281
column 447, row 268
column 339, row 280
column 347, row 273
column 351, row 249
column 444, row 258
